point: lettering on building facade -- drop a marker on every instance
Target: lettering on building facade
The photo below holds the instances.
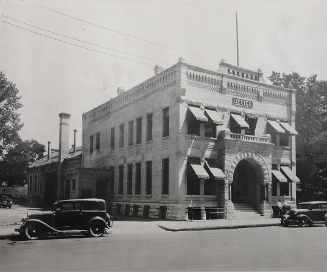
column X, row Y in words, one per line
column 242, row 102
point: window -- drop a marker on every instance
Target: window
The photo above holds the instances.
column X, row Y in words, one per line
column 138, row 179
column 74, row 185
column 91, row 144
column 274, row 181
column 284, row 140
column 97, row 141
column 112, row 139
column 193, row 125
column 111, row 180
column 121, row 136
column 165, row 176
column 129, row 178
column 41, row 187
column 193, row 182
column 210, row 128
column 149, row 127
column 121, row 180
column 211, row 183
column 138, row 130
column 148, row 187
column 35, row 182
column 252, row 122
column 130, row 133
column 165, row 122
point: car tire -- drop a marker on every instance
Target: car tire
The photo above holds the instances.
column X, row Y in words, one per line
column 31, row 232
column 284, row 224
column 96, row 229
column 302, row 222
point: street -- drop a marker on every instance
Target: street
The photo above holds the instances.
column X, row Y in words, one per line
column 264, row 248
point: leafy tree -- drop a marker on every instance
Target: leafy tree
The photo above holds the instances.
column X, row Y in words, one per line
column 15, row 163
column 9, row 117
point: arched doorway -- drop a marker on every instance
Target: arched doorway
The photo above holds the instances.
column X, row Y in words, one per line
column 245, row 184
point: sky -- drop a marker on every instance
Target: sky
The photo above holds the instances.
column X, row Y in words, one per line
column 72, row 55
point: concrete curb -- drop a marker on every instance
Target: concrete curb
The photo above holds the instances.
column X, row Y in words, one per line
column 8, row 235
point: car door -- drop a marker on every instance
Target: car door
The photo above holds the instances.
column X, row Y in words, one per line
column 68, row 216
column 315, row 213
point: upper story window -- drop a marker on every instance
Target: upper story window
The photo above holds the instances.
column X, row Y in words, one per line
column 112, row 139
column 193, row 122
column 130, row 132
column 121, row 136
column 165, row 122
column 280, row 132
column 138, row 130
column 91, row 144
column 149, row 118
column 165, row 176
column 237, row 123
column 97, row 141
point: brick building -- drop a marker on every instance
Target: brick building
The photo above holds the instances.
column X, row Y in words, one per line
column 190, row 143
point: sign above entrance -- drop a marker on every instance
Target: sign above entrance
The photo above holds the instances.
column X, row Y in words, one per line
column 242, row 103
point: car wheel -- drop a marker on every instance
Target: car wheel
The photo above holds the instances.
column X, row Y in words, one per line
column 302, row 222
column 284, row 223
column 31, row 232
column 96, row 229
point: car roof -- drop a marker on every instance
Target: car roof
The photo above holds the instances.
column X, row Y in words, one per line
column 314, row 202
column 81, row 200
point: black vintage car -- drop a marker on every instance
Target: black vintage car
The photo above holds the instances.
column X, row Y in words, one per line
column 306, row 214
column 5, row 200
column 86, row 215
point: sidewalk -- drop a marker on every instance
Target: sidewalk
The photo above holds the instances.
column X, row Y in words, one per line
column 167, row 225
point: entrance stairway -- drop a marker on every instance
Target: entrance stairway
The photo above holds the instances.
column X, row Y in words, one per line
column 245, row 211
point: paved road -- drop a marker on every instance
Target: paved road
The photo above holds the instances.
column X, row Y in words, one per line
column 258, row 249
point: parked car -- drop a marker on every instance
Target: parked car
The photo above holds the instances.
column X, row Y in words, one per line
column 5, row 200
column 306, row 214
column 86, row 215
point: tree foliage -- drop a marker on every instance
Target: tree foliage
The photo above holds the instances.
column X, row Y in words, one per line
column 15, row 163
column 9, row 117
column 311, row 124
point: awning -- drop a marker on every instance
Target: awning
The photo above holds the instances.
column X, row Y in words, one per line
column 216, row 172
column 198, row 114
column 290, row 174
column 215, row 117
column 279, row 176
column 200, row 171
column 276, row 126
column 240, row 121
column 289, row 128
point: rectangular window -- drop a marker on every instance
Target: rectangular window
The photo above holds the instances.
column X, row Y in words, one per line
column 112, row 139
column 193, row 125
column 165, row 122
column 138, row 179
column 149, row 127
column 121, row 180
column 74, row 185
column 129, row 178
column 193, row 182
column 97, row 141
column 121, row 136
column 111, row 180
column 210, row 185
column 91, row 144
column 165, row 176
column 139, row 130
column 148, row 188
column 284, row 188
column 130, row 133
column 210, row 129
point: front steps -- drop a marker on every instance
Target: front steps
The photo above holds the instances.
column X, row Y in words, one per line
column 244, row 211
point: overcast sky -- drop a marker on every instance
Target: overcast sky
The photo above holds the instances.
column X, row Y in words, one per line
column 70, row 56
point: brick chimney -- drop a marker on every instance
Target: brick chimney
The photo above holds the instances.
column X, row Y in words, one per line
column 63, row 136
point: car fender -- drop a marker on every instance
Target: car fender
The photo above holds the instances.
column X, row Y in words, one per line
column 300, row 216
column 43, row 226
column 98, row 218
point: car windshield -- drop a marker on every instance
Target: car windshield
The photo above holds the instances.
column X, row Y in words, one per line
column 308, row 206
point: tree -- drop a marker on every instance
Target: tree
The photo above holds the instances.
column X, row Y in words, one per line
column 9, row 117
column 15, row 163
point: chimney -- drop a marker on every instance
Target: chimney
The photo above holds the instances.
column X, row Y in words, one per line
column 49, row 150
column 158, row 69
column 120, row 90
column 75, row 130
column 63, row 136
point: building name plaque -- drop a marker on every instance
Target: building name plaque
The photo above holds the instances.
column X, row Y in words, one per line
column 242, row 103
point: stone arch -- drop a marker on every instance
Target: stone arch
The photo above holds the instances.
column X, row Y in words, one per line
column 256, row 161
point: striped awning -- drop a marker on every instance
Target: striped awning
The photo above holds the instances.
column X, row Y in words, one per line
column 289, row 128
column 279, row 176
column 240, row 121
column 290, row 174
column 198, row 114
column 215, row 117
column 200, row 171
column 275, row 125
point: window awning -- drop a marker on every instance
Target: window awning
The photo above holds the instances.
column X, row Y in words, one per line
column 289, row 128
column 290, row 174
column 276, row 126
column 198, row 114
column 216, row 172
column 240, row 121
column 279, row 176
column 215, row 117
column 200, row 171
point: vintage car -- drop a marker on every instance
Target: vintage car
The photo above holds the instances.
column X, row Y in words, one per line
column 86, row 215
column 306, row 214
column 5, row 200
